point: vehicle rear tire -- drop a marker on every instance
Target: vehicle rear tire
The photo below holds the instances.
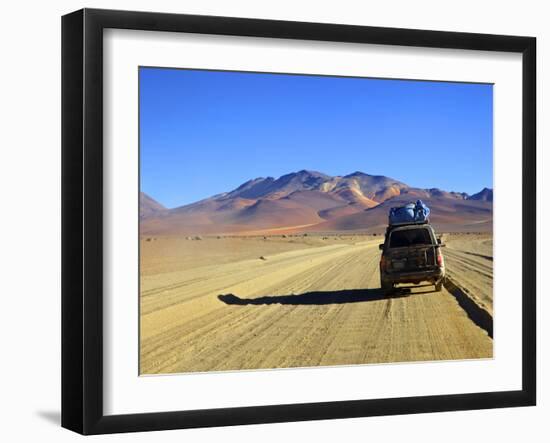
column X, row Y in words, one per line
column 439, row 285
column 387, row 287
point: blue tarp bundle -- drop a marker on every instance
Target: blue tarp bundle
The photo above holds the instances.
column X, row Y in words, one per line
column 412, row 213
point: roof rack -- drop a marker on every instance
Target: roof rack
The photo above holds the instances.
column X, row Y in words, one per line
column 408, row 223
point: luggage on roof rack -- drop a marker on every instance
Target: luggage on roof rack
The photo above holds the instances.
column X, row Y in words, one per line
column 412, row 213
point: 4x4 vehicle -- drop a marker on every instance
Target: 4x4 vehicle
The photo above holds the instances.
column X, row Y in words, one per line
column 411, row 254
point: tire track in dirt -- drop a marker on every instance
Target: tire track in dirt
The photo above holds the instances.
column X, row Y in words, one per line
column 176, row 340
column 295, row 329
column 320, row 306
column 297, row 346
column 473, row 274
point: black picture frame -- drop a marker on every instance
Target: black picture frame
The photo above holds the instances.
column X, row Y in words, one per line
column 82, row 218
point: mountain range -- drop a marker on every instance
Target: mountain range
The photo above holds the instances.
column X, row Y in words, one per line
column 310, row 201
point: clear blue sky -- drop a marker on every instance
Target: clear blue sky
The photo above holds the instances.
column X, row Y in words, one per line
column 206, row 132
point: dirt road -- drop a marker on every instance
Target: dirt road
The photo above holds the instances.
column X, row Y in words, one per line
column 470, row 263
column 317, row 306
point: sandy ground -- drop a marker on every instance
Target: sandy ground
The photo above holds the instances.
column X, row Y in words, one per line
column 248, row 303
column 469, row 261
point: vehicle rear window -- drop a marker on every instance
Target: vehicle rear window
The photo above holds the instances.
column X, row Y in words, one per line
column 410, row 237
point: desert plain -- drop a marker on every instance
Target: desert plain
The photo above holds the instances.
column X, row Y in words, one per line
column 238, row 302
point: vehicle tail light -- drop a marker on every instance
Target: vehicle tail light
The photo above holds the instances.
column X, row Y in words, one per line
column 440, row 262
column 383, row 263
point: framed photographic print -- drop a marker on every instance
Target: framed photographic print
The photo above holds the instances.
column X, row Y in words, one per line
column 268, row 221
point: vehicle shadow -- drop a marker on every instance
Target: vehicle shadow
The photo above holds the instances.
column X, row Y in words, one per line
column 315, row 297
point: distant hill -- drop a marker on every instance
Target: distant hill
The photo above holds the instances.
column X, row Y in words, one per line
column 315, row 202
column 485, row 194
column 149, row 207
